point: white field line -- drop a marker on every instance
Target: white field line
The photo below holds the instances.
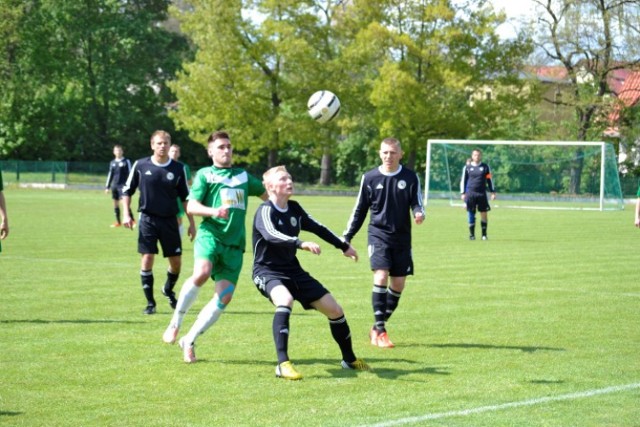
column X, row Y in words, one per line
column 492, row 408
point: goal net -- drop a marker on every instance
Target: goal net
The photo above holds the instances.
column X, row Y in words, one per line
column 530, row 174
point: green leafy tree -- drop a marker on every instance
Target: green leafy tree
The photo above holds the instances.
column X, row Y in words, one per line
column 85, row 75
column 253, row 75
column 424, row 60
column 590, row 39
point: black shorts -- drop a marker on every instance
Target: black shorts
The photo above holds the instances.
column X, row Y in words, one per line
column 397, row 260
column 301, row 285
column 116, row 193
column 152, row 229
column 477, row 201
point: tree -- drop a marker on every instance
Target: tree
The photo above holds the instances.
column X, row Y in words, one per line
column 254, row 73
column 590, row 38
column 85, row 75
column 426, row 58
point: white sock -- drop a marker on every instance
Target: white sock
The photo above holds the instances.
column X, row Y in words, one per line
column 207, row 317
column 188, row 294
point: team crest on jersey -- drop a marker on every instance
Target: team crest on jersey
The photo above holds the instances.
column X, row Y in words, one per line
column 294, row 221
column 120, row 164
column 170, row 176
column 402, row 184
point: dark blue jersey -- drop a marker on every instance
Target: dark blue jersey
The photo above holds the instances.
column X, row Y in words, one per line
column 160, row 185
column 393, row 199
column 275, row 236
column 118, row 172
column 476, row 179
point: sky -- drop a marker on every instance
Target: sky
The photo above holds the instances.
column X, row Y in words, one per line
column 515, row 9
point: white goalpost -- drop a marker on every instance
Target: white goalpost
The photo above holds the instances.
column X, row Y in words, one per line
column 530, row 174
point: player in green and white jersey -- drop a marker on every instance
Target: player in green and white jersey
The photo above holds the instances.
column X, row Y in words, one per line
column 219, row 195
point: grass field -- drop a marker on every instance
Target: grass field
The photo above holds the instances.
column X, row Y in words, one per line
column 539, row 326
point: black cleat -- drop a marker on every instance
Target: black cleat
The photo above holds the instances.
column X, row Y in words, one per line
column 472, row 237
column 151, row 309
column 171, row 296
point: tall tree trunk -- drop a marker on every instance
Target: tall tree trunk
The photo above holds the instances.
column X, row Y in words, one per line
column 411, row 160
column 325, row 168
column 272, row 158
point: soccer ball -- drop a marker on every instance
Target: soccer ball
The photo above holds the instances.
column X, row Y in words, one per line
column 323, row 106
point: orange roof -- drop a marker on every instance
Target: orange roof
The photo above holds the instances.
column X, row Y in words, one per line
column 629, row 95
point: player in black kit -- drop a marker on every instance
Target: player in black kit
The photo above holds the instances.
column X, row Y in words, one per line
column 391, row 192
column 161, row 181
column 279, row 276
column 476, row 179
column 119, row 169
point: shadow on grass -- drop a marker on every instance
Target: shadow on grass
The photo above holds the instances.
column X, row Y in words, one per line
column 10, row 413
column 526, row 349
column 337, row 371
column 77, row 321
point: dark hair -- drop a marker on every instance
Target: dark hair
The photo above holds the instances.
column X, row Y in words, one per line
column 219, row 134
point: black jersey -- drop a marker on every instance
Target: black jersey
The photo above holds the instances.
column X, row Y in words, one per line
column 476, row 179
column 118, row 172
column 392, row 199
column 275, row 236
column 160, row 185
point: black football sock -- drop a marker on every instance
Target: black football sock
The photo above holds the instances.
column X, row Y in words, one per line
column 342, row 335
column 484, row 227
column 116, row 211
column 379, row 303
column 146, row 278
column 172, row 278
column 472, row 229
column 280, row 329
column 393, row 299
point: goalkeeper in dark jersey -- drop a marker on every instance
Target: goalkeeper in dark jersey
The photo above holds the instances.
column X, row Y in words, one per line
column 476, row 180
column 279, row 276
column 391, row 192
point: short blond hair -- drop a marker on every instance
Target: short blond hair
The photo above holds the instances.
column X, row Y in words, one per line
column 162, row 133
column 268, row 175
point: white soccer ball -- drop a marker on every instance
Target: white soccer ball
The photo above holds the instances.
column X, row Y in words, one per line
column 323, row 106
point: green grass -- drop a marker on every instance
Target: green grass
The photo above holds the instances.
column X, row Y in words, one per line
column 531, row 328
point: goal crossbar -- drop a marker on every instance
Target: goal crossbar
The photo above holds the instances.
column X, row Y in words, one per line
column 601, row 144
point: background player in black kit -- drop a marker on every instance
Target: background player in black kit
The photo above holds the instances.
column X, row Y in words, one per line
column 279, row 276
column 391, row 192
column 161, row 181
column 119, row 169
column 476, row 179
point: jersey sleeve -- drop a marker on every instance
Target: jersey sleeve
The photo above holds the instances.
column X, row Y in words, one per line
column 256, row 188
column 131, row 185
column 463, row 180
column 311, row 225
column 359, row 212
column 416, row 198
column 489, row 178
column 183, row 186
column 109, row 176
column 198, row 187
